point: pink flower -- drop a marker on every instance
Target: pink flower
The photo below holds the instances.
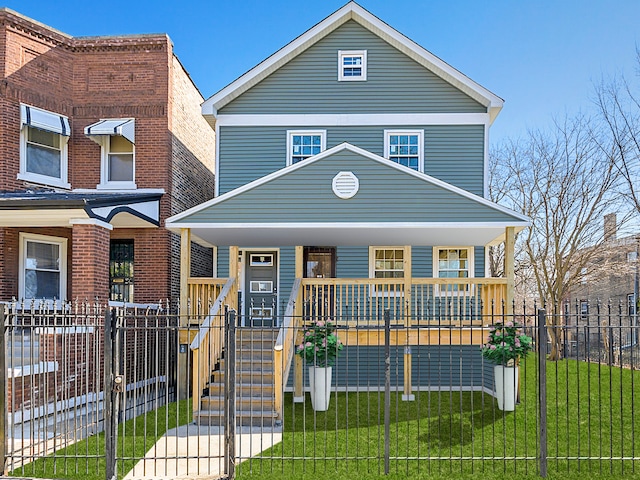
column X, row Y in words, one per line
column 317, row 349
column 492, row 347
column 309, row 344
column 320, row 323
column 509, row 324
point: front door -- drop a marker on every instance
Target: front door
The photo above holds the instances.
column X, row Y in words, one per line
column 261, row 288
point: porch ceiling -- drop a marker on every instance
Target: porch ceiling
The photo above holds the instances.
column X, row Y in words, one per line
column 352, row 234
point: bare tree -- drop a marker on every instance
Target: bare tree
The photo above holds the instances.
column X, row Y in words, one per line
column 618, row 102
column 564, row 182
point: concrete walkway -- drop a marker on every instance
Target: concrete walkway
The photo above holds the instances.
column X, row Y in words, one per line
column 197, row 452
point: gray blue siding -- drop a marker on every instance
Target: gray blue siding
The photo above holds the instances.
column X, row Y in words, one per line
column 433, row 367
column 386, row 194
column 309, row 82
column 452, row 153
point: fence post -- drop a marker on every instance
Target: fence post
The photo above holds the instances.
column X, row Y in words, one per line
column 110, row 401
column 230, row 395
column 3, row 394
column 387, row 388
column 542, row 390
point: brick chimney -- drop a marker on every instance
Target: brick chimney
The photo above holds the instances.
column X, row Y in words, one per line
column 610, row 227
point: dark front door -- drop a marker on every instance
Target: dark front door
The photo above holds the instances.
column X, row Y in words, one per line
column 261, row 283
column 320, row 262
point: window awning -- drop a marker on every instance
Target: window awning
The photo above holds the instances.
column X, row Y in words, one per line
column 124, row 127
column 44, row 120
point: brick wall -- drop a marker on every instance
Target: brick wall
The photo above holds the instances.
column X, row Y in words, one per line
column 92, row 78
column 90, row 264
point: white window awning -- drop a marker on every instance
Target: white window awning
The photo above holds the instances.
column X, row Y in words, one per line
column 44, row 120
column 124, row 127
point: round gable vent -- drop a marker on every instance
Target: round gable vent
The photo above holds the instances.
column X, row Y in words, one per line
column 345, row 185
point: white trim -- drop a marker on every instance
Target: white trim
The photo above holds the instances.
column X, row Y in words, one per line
column 352, row 11
column 419, row 133
column 138, row 191
column 171, row 222
column 216, row 186
column 62, row 181
column 62, row 245
column 485, row 164
column 350, row 119
column 90, row 221
column 290, row 133
column 341, row 66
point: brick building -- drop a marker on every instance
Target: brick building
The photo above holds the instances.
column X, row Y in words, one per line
column 101, row 139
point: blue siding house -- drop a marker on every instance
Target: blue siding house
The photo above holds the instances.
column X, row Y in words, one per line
column 351, row 180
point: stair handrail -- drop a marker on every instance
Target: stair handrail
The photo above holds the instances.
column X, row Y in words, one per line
column 207, row 346
column 284, row 348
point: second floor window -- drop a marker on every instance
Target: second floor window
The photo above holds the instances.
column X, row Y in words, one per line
column 303, row 144
column 43, row 148
column 116, row 136
column 405, row 148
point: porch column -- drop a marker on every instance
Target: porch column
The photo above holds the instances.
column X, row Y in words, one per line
column 185, row 273
column 509, row 267
column 407, row 395
column 185, row 335
column 298, row 378
column 233, row 273
column 90, row 259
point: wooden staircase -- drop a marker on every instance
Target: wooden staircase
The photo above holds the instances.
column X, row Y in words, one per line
column 255, row 399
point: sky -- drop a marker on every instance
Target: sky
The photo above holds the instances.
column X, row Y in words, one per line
column 542, row 57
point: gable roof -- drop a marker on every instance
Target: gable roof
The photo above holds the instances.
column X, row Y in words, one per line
column 394, row 205
column 351, row 11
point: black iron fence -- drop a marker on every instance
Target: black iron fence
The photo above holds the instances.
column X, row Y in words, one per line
column 93, row 390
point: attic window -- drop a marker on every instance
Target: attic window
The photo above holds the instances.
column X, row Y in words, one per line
column 352, row 65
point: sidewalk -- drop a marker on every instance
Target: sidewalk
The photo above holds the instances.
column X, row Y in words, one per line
column 197, row 452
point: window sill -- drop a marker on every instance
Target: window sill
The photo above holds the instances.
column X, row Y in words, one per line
column 43, row 180
column 117, row 186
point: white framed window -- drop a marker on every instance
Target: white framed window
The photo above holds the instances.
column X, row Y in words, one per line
column 453, row 263
column 386, row 262
column 302, row 144
column 352, row 65
column 405, row 147
column 116, row 138
column 43, row 267
column 43, row 147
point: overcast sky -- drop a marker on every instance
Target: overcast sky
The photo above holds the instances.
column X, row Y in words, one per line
column 541, row 57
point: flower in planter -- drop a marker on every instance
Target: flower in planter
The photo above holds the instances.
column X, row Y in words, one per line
column 506, row 344
column 320, row 345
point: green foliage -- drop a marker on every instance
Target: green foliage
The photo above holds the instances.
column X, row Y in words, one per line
column 320, row 345
column 506, row 344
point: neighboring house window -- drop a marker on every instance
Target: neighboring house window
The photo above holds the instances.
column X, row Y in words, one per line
column 42, row 267
column 584, row 311
column 121, row 271
column 117, row 139
column 453, row 262
column 405, row 147
column 43, row 147
column 302, row 144
column 583, row 275
column 387, row 262
column 352, row 65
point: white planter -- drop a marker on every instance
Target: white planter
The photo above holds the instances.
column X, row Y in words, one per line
column 506, row 380
column 320, row 383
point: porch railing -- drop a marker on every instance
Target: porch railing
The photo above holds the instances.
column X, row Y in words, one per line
column 432, row 301
column 285, row 347
column 208, row 344
column 202, row 293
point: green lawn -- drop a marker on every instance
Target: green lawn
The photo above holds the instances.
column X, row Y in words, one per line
column 591, row 413
column 135, row 438
column 593, row 416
